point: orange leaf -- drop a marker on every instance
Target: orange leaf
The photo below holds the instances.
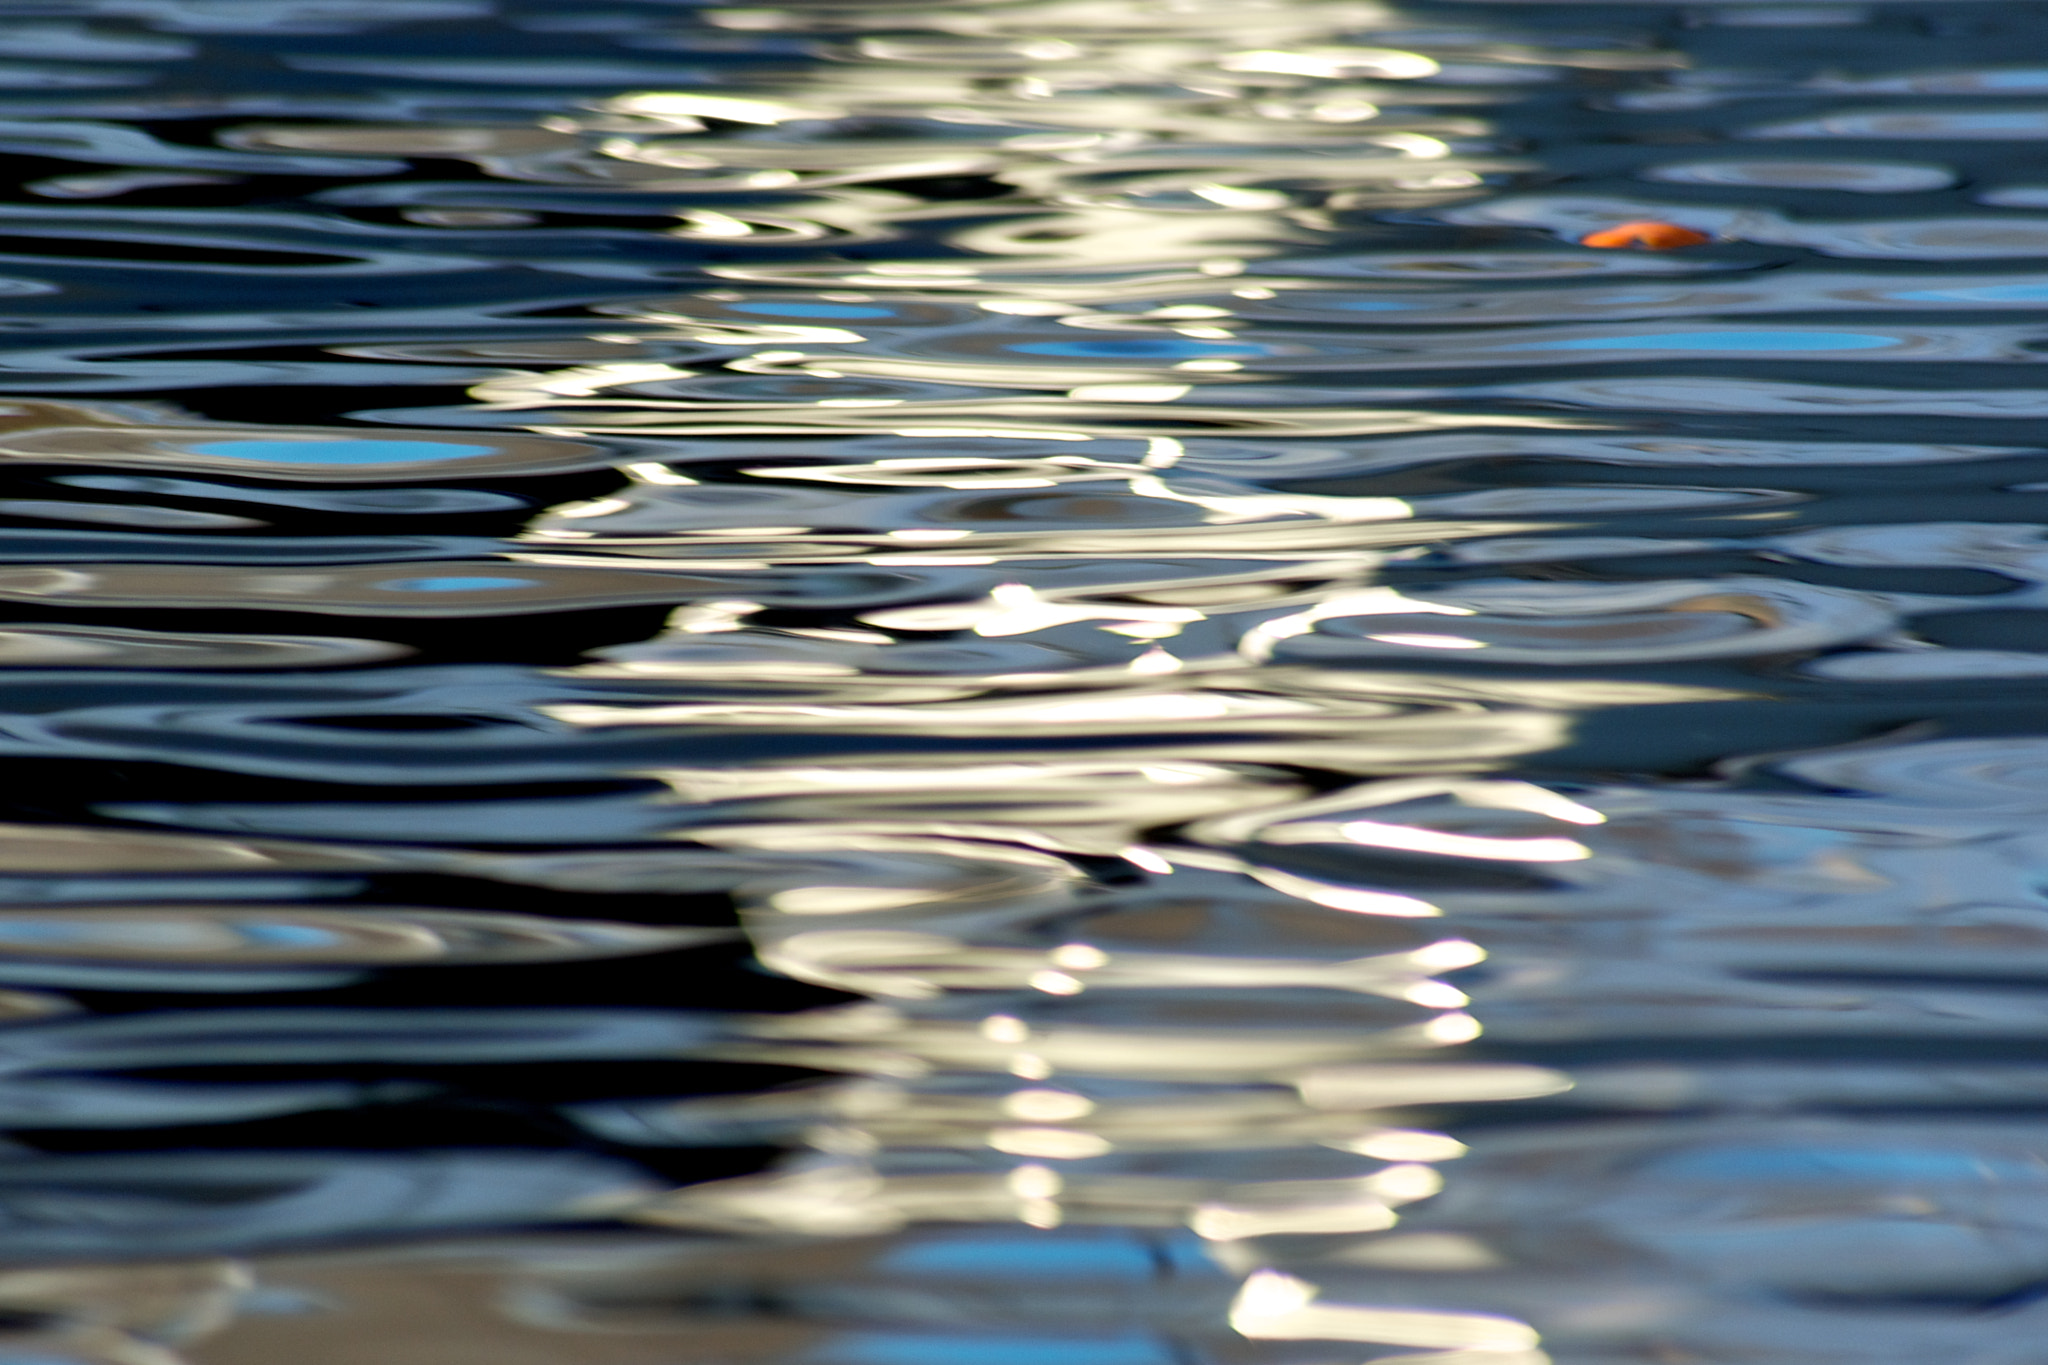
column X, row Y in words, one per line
column 1653, row 235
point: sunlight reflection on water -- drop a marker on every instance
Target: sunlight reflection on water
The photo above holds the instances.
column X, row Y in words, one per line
column 1048, row 683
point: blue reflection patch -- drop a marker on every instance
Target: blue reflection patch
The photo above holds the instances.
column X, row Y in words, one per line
column 44, row 931
column 287, row 935
column 1367, row 305
column 92, row 933
column 2025, row 120
column 1843, row 1164
column 934, row 1348
column 1000, row 1257
column 342, row 452
column 1989, row 293
column 1138, row 348
column 1717, row 341
column 456, row 584
column 810, row 310
column 2010, row 80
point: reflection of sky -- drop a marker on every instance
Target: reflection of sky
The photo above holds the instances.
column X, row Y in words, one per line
column 1138, row 348
column 341, row 452
column 1086, row 1254
column 470, row 584
column 1716, row 341
column 1982, row 293
column 1845, row 1164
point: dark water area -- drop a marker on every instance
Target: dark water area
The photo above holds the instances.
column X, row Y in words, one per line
column 1033, row 683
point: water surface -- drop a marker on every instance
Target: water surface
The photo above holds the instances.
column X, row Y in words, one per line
column 1023, row 683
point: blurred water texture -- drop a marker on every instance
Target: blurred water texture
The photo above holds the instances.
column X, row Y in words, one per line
column 1023, row 682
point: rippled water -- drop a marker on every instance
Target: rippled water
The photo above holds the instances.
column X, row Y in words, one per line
column 1042, row 683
